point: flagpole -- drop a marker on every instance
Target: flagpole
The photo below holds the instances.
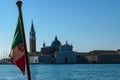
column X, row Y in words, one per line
column 19, row 4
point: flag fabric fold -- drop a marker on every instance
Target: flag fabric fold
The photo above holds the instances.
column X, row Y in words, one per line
column 17, row 54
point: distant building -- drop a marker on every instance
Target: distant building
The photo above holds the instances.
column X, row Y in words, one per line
column 5, row 61
column 34, row 57
column 33, row 54
column 32, row 39
column 65, row 54
column 50, row 50
column 82, row 57
column 45, row 59
column 57, row 53
column 108, row 57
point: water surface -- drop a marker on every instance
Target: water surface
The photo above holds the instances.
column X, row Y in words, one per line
column 63, row 72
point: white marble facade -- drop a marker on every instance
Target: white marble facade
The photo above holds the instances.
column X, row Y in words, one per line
column 66, row 54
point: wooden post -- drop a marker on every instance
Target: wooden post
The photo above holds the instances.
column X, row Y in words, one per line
column 19, row 4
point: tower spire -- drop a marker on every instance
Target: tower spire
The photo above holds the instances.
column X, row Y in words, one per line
column 32, row 26
column 32, row 38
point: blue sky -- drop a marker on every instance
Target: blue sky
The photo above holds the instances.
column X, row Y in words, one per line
column 87, row 24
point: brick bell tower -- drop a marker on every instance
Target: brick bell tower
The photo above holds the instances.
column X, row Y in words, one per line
column 32, row 39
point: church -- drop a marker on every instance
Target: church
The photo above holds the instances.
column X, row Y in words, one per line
column 55, row 53
column 64, row 54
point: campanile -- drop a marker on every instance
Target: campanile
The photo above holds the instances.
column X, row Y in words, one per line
column 32, row 39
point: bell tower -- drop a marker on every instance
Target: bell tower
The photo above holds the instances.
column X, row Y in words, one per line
column 32, row 39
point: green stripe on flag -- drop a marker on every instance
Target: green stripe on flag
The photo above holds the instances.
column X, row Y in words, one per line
column 17, row 36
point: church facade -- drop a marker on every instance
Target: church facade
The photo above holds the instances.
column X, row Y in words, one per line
column 65, row 54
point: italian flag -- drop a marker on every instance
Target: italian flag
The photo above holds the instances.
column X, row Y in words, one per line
column 17, row 54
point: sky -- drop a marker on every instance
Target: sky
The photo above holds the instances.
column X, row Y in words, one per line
column 86, row 24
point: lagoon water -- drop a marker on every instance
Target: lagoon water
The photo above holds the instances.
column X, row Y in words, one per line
column 63, row 72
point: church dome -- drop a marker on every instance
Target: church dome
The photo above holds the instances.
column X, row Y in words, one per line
column 56, row 43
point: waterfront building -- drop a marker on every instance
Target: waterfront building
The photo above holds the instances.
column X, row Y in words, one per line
column 82, row 57
column 65, row 54
column 50, row 50
column 32, row 39
column 33, row 57
column 47, row 53
column 32, row 45
column 46, row 59
column 57, row 53
column 108, row 57
column 5, row 61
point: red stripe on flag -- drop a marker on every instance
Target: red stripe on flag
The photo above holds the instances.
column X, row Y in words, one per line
column 21, row 64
